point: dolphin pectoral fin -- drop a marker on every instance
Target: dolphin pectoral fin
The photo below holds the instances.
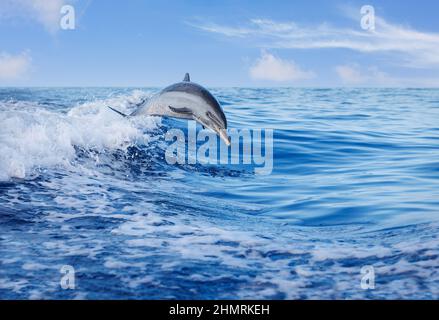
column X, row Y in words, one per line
column 185, row 111
column 186, row 78
column 122, row 114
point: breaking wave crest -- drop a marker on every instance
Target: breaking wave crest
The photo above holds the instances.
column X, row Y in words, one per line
column 33, row 138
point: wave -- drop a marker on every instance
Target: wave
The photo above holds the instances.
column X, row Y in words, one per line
column 33, row 138
column 354, row 183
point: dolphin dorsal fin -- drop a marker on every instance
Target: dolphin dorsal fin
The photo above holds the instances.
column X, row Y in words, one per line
column 187, row 78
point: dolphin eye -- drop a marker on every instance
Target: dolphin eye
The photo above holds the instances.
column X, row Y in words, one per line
column 213, row 118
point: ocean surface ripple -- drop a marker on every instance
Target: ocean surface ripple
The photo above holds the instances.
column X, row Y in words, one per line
column 355, row 183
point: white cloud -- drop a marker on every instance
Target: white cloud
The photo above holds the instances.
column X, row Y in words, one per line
column 355, row 75
column 410, row 47
column 14, row 66
column 270, row 67
column 372, row 76
column 45, row 12
column 349, row 74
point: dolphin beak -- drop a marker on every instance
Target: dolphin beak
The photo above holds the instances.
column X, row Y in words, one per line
column 223, row 135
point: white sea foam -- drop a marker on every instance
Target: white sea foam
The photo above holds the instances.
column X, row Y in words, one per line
column 299, row 264
column 32, row 138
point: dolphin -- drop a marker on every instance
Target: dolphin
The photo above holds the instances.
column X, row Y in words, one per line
column 186, row 100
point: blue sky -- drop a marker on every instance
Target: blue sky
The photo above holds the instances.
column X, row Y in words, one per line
column 221, row 43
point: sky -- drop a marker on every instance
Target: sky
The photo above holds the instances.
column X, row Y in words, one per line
column 220, row 43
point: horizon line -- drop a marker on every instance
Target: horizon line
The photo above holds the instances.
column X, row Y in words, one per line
column 222, row 87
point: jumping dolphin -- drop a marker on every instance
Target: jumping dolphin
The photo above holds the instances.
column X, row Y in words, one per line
column 186, row 100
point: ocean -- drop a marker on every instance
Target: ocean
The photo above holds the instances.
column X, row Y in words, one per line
column 350, row 209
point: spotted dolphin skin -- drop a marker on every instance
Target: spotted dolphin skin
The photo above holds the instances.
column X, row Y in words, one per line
column 187, row 100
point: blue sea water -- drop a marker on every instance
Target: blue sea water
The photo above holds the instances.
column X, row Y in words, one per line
column 355, row 183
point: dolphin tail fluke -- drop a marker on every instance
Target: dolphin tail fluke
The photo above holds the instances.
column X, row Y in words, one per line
column 121, row 113
column 187, row 78
column 137, row 105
